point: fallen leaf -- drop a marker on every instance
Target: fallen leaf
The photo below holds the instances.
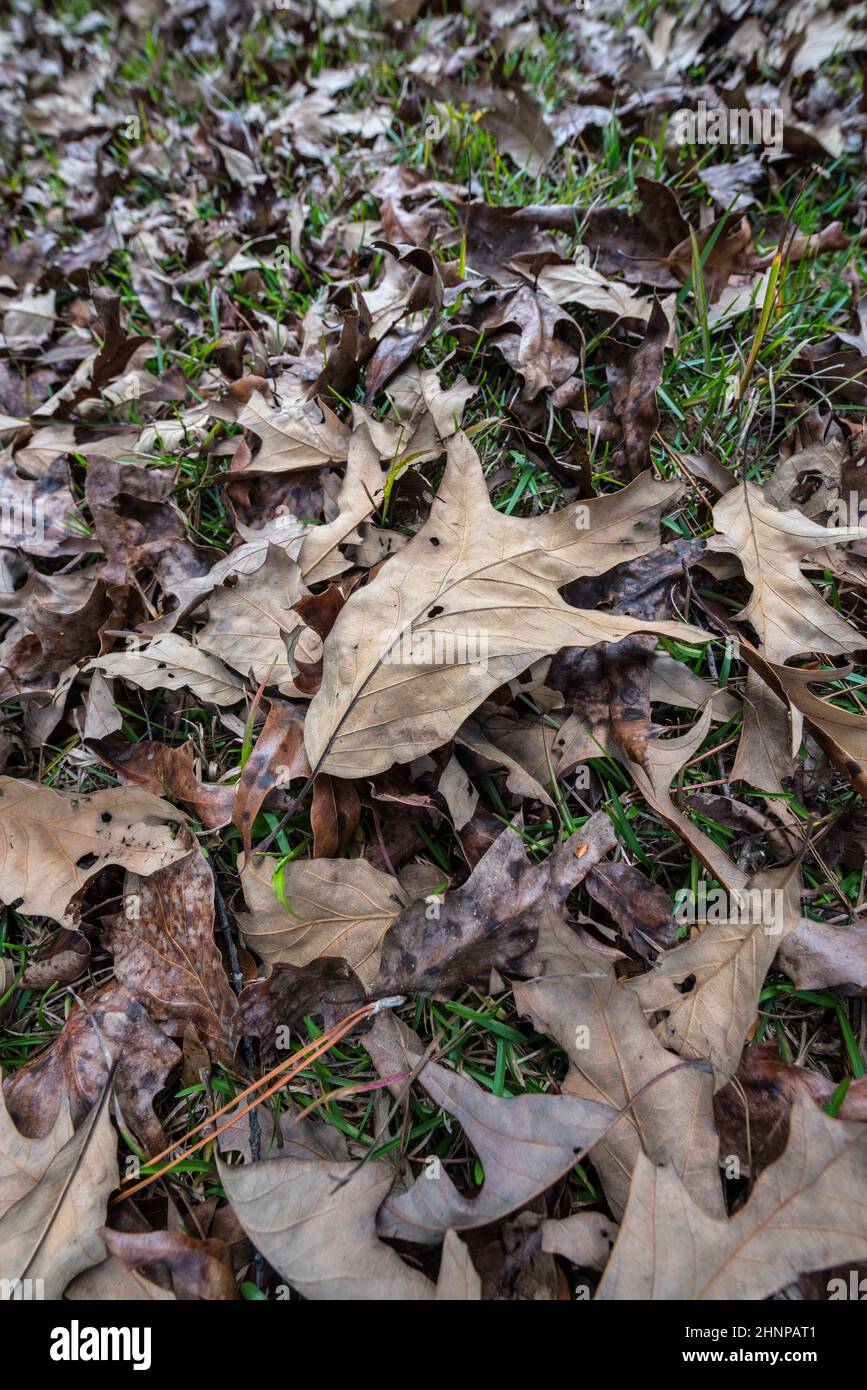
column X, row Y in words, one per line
column 171, row 663
column 54, row 1194
column 491, row 921
column 250, row 619
column 166, row 957
column 786, row 611
column 806, row 1211
column 314, row 1221
column 52, row 843
column 524, row 1143
column 364, row 717
column 276, row 758
column 708, row 988
column 197, row 1268
column 337, row 907
column 577, row 999
column 299, row 435
column 752, row 1110
column 110, row 1028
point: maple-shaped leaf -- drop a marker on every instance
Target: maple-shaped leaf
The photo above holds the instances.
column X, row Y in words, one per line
column 292, row 437
column 786, row 610
column 468, row 604
column 807, row 1211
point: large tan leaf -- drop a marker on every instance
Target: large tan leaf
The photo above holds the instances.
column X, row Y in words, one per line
column 787, row 612
column 841, row 734
column 525, row 1143
column 709, row 987
column 338, row 907
column 52, row 1231
column 807, row 1211
column 22, row 1160
column 618, row 1055
column 249, row 621
column 313, row 1220
column 293, row 437
column 169, row 662
column 764, row 753
column 52, row 843
column 470, row 603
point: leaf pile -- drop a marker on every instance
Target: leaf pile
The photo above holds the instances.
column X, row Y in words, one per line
column 433, row 547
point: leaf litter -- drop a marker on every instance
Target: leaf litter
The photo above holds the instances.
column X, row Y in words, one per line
column 432, row 726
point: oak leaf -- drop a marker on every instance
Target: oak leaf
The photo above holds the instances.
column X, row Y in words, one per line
column 468, row 604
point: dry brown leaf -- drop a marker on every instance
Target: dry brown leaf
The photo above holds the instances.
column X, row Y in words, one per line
column 198, row 1268
column 314, row 1221
column 299, row 435
column 360, row 495
column 169, row 662
column 110, row 1028
column 275, row 759
column 54, row 1194
column 52, row 844
column 471, row 601
column 708, row 988
column 841, row 734
column 519, row 780
column 524, row 1143
column 338, row 907
column 641, row 909
column 457, row 1280
column 633, row 391
column 585, row 1239
column 580, row 284
column 820, row 956
column 808, row 1211
column 165, row 954
column 491, row 921
column 334, row 815
column 613, row 1054
column 764, row 754
column 458, row 792
column 250, row 619
column 786, row 611
column 752, row 1111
